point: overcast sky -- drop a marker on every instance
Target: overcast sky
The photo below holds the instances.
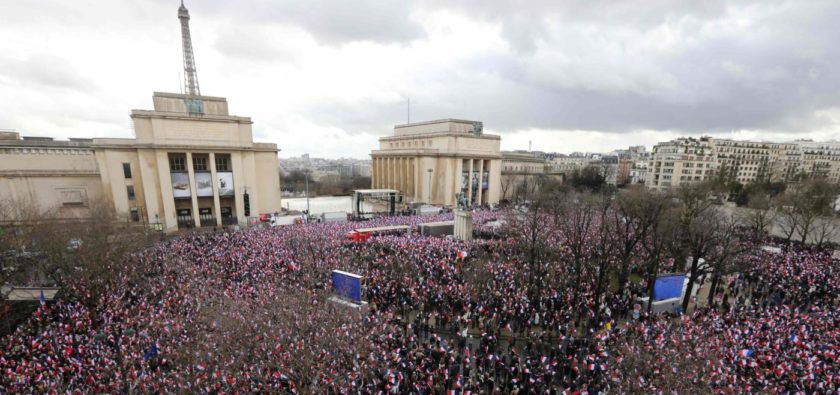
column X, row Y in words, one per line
column 330, row 77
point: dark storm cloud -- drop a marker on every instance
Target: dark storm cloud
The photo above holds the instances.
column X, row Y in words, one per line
column 598, row 65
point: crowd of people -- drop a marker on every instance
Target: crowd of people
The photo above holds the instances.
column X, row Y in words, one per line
column 781, row 333
column 251, row 311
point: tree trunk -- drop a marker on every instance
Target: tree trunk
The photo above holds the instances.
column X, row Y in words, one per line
column 713, row 289
column 651, row 278
column 695, row 262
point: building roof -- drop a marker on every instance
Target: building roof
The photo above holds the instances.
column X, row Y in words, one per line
column 445, row 120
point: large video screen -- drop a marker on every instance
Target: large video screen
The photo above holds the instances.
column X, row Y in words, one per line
column 347, row 285
column 180, row 185
column 668, row 286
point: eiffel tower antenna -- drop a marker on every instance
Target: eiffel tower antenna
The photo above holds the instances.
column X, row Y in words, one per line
column 190, row 74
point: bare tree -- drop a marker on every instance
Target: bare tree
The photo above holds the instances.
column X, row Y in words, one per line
column 826, row 230
column 506, row 184
column 705, row 238
column 20, row 222
column 81, row 255
column 631, row 222
column 288, row 336
column 759, row 214
column 576, row 221
column 802, row 206
column 725, row 257
column 640, row 368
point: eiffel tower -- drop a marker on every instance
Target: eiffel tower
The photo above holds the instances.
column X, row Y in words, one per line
column 193, row 93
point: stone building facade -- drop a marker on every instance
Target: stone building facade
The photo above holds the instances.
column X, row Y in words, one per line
column 181, row 170
column 433, row 161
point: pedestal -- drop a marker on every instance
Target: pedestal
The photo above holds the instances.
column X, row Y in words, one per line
column 463, row 225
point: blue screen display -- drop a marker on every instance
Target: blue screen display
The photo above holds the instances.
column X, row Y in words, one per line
column 347, row 285
column 667, row 287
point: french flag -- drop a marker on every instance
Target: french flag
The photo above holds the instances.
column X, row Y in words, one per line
column 747, row 352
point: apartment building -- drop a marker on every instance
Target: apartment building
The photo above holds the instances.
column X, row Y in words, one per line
column 686, row 160
column 681, row 161
column 820, row 158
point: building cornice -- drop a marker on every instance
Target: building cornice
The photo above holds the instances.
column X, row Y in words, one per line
column 45, row 144
column 208, row 148
column 441, row 134
column 452, row 120
column 182, row 116
column 431, row 153
column 50, row 173
column 183, row 96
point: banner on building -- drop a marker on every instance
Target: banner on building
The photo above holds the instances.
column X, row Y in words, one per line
column 225, row 183
column 180, row 185
column 203, row 184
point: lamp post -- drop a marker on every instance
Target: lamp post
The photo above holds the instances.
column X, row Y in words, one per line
column 430, row 185
column 157, row 225
column 306, row 174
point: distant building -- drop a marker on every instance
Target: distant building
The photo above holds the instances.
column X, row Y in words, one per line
column 681, row 161
column 568, row 164
column 433, row 161
column 189, row 164
column 520, row 170
column 609, row 168
column 820, row 159
column 638, row 172
column 687, row 160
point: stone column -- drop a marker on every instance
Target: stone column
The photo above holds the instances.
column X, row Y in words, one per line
column 404, row 176
column 463, row 229
column 164, row 173
column 411, row 176
column 400, row 175
column 381, row 172
column 374, row 168
column 217, row 210
column 480, row 179
column 387, row 173
column 193, row 196
column 470, row 183
column 239, row 184
column 394, row 175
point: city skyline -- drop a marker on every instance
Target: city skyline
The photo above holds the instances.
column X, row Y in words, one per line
column 590, row 78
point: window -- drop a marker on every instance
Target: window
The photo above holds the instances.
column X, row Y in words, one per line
column 130, row 190
column 127, row 170
column 135, row 214
column 178, row 162
column 222, row 163
column 200, row 163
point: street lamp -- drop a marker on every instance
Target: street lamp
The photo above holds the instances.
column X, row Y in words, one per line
column 157, row 225
column 306, row 173
column 430, row 185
